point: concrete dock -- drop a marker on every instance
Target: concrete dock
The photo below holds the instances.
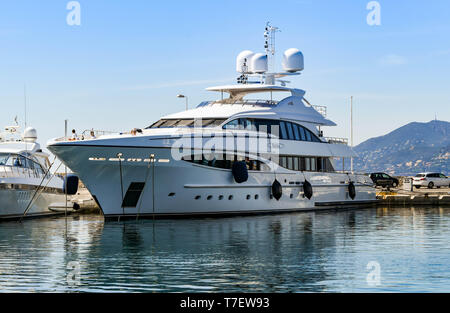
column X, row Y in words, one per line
column 422, row 196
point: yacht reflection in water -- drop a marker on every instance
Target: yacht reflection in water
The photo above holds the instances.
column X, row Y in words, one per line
column 294, row 252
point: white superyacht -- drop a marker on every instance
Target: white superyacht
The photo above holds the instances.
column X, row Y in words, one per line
column 26, row 186
column 234, row 155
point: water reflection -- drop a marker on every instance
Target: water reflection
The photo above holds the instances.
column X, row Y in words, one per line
column 314, row 251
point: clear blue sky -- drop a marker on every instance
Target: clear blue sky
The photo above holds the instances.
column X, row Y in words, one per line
column 123, row 66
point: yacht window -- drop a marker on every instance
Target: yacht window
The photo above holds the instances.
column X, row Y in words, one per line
column 290, row 131
column 319, row 164
column 290, row 163
column 287, row 130
column 314, row 138
column 184, row 123
column 302, row 164
column 249, row 125
column 302, row 133
column 283, row 161
column 308, row 135
column 283, row 130
column 4, row 158
column 307, row 164
column 187, row 123
column 225, row 162
column 234, row 124
column 295, row 168
column 171, row 123
column 313, row 164
column 296, row 133
column 20, row 161
column 157, row 124
column 216, row 122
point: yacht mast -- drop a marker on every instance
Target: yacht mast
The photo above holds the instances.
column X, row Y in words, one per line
column 269, row 45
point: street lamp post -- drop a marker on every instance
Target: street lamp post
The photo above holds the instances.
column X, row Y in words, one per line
column 183, row 96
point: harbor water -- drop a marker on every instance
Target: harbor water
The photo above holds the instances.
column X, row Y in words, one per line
column 364, row 250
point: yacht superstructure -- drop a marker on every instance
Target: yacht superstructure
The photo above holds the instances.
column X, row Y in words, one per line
column 233, row 155
column 25, row 184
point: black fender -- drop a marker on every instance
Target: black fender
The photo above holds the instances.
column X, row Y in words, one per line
column 70, row 185
column 240, row 172
column 351, row 190
column 277, row 190
column 307, row 189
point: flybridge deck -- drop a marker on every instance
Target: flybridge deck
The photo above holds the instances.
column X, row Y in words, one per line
column 237, row 92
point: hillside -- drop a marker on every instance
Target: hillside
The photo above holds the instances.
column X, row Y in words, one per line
column 415, row 147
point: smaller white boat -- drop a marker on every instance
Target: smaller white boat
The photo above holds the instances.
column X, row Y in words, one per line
column 27, row 188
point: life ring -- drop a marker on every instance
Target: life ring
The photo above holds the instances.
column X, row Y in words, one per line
column 307, row 189
column 277, row 190
column 351, row 190
column 240, row 172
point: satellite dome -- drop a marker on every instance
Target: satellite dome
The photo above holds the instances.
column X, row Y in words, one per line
column 243, row 58
column 30, row 134
column 292, row 60
column 258, row 63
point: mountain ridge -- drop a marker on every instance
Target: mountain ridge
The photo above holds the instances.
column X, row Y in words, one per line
column 407, row 150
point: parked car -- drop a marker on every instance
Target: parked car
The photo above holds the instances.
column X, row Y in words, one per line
column 431, row 180
column 384, row 180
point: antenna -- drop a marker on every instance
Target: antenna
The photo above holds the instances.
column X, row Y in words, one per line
column 269, row 44
column 25, row 102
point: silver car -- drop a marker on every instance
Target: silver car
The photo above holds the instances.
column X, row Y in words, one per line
column 431, row 180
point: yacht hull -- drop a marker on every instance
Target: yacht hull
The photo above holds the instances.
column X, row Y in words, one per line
column 13, row 203
column 169, row 187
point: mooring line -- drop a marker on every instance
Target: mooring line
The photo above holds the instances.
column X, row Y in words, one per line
column 39, row 187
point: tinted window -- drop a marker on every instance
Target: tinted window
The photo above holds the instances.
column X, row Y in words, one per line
column 308, row 135
column 290, row 131
column 283, row 130
column 302, row 133
column 234, row 124
column 187, row 123
column 296, row 133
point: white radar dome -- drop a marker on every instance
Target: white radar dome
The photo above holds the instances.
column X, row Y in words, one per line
column 30, row 134
column 243, row 59
column 292, row 60
column 258, row 63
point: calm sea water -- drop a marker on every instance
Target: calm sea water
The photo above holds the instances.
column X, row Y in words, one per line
column 302, row 252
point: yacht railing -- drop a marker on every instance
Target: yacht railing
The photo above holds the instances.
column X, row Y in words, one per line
column 8, row 171
column 337, row 140
column 247, row 102
column 86, row 134
column 321, row 109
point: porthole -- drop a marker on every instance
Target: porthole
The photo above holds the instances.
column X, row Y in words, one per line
column 197, row 197
column 230, row 197
column 209, row 197
column 256, row 197
column 171, row 194
column 291, row 196
column 220, row 197
column 248, row 197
